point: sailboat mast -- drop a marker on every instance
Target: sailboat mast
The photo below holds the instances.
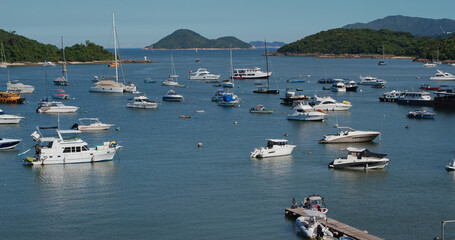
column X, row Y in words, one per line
column 115, row 47
column 266, row 63
column 65, row 75
column 230, row 57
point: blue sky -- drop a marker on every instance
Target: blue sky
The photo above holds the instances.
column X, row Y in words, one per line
column 144, row 22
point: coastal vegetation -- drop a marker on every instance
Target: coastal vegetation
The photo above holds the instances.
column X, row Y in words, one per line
column 367, row 41
column 18, row 48
column 187, row 39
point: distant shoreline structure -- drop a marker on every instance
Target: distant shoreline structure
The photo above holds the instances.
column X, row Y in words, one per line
column 326, row 55
column 77, row 63
column 194, row 49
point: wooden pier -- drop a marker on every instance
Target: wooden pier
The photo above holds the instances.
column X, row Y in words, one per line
column 334, row 225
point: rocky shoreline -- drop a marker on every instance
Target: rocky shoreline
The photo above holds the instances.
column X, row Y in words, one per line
column 126, row 61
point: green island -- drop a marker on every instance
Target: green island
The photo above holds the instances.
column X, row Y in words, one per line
column 351, row 43
column 187, row 39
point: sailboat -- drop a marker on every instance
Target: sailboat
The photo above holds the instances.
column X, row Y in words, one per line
column 63, row 80
column 229, row 83
column 437, row 57
column 229, row 99
column 3, row 57
column 170, row 81
column 110, row 86
column 266, row 89
column 382, row 63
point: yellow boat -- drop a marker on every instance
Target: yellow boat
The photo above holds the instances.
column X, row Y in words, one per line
column 11, row 98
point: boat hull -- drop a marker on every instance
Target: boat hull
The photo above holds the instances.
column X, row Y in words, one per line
column 67, row 109
column 428, row 103
column 65, row 158
column 307, row 116
column 10, row 120
column 330, row 107
column 273, row 152
column 172, row 99
column 360, row 164
column 350, row 139
column 141, row 106
column 107, row 89
column 9, row 143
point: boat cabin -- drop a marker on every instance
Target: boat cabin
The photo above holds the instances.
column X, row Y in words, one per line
column 363, row 152
column 277, row 142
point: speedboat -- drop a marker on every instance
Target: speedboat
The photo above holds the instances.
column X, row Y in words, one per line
column 351, row 86
column 330, row 104
column 261, row 109
column 315, row 203
column 66, row 148
column 7, row 143
column 203, row 74
column 170, row 82
column 310, row 227
column 142, row 102
column 172, row 96
column 451, row 165
column 442, row 76
column 91, row 124
column 229, row 100
column 416, row 98
column 60, row 94
column 349, row 136
column 275, row 148
column 338, row 86
column 55, row 107
column 19, row 87
column 391, row 96
column 422, row 114
column 249, row 73
column 361, row 158
column 304, row 112
column 7, row 118
column 367, row 80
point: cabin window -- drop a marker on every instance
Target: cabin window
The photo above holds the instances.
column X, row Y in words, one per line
column 78, row 149
column 84, row 148
column 73, row 149
column 67, row 150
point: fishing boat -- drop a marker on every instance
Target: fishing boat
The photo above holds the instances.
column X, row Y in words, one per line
column 67, row 147
column 63, row 80
column 442, row 76
column 11, row 98
column 142, row 102
column 203, row 74
column 91, row 124
column 304, row 112
column 362, row 159
column 330, row 104
column 172, row 96
column 421, row 114
column 266, row 89
column 55, row 107
column 8, row 118
column 261, row 109
column 60, row 94
column 349, row 136
column 8, row 143
column 275, row 148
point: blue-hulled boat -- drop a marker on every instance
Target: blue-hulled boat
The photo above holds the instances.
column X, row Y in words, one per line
column 423, row 114
column 6, row 143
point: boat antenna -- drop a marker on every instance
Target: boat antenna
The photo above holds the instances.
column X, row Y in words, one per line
column 266, row 63
column 115, row 47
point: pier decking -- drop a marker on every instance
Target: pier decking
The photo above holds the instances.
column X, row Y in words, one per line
column 334, row 225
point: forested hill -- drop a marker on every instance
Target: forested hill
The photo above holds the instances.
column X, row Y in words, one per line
column 367, row 41
column 187, row 39
column 18, row 48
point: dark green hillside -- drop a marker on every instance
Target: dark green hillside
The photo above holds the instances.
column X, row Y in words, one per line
column 187, row 39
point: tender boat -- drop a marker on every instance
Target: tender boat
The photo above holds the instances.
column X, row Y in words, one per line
column 315, row 203
column 60, row 94
column 19, row 87
column 290, row 97
column 229, row 100
column 416, row 98
column 391, row 96
column 203, row 74
column 361, row 158
column 351, row 86
column 250, row 73
column 11, row 98
column 304, row 112
column 422, row 114
column 55, row 107
column 91, row 124
column 451, row 165
column 442, row 76
column 338, row 86
column 7, row 143
column 172, row 96
column 295, row 80
column 310, row 227
column 330, row 104
column 275, row 148
column 9, row 119
column 67, row 148
column 349, row 136
column 261, row 109
column 142, row 102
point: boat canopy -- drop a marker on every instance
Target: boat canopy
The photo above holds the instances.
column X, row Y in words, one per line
column 365, row 153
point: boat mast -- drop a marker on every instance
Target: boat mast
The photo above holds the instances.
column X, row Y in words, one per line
column 115, row 47
column 230, row 55
column 383, row 53
column 65, row 75
column 266, row 63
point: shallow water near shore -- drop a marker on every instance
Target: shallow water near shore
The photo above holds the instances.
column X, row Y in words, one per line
column 162, row 186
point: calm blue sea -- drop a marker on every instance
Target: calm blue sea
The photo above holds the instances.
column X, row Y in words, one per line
column 162, row 186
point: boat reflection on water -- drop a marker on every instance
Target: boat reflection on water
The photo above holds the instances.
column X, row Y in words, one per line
column 278, row 166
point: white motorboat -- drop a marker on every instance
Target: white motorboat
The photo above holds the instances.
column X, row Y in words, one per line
column 391, row 96
column 9, row 119
column 91, row 124
column 349, row 136
column 367, row 80
column 7, row 143
column 310, row 227
column 19, row 87
column 416, row 98
column 227, row 84
column 203, row 74
column 451, row 165
column 330, row 104
column 67, row 148
column 60, row 94
column 261, row 109
column 361, row 158
column 442, row 76
column 142, row 102
column 315, row 203
column 170, row 82
column 249, row 73
column 338, row 86
column 429, row 64
column 304, row 112
column 172, row 96
column 130, row 87
column 229, row 100
column 48, row 64
column 351, row 86
column 275, row 148
column 55, row 107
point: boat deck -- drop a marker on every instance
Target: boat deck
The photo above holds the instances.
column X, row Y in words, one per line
column 334, row 225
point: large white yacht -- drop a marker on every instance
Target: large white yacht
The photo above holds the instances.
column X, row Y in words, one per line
column 349, row 136
column 249, row 73
column 330, row 104
column 203, row 74
column 67, row 147
column 304, row 112
column 19, row 87
column 142, row 102
column 367, row 80
column 275, row 148
column 361, row 158
column 55, row 107
column 442, row 76
column 8, row 119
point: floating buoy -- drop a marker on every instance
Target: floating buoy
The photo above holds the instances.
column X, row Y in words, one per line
column 309, row 153
column 199, row 145
column 360, row 90
column 117, row 129
column 286, row 135
column 308, row 75
column 235, row 122
column 407, row 126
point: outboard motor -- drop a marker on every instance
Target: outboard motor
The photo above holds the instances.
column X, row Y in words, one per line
column 75, row 126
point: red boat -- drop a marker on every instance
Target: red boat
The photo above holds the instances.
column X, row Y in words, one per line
column 429, row 88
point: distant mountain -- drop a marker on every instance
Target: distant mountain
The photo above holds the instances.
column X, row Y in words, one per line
column 415, row 25
column 260, row 44
column 187, row 39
